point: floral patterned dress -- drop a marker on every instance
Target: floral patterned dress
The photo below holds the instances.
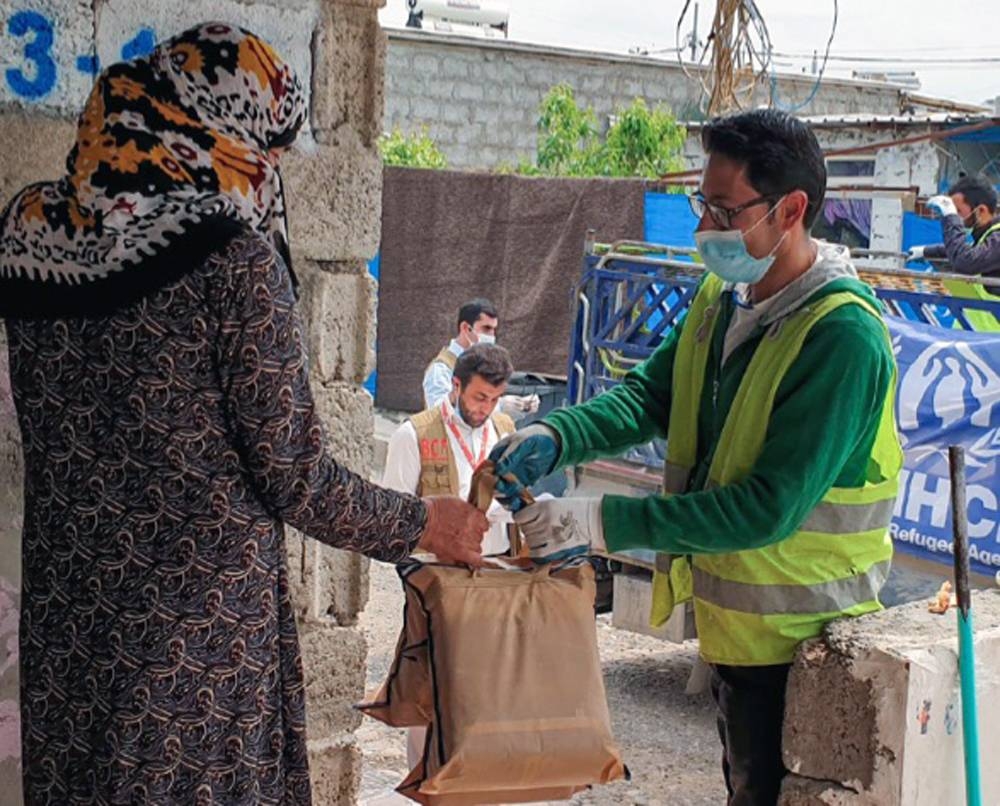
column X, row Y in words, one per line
column 164, row 447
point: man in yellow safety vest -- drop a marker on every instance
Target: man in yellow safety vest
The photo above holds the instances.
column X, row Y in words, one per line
column 969, row 209
column 775, row 394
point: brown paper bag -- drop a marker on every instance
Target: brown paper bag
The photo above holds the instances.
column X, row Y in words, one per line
column 405, row 699
column 411, row 788
column 519, row 705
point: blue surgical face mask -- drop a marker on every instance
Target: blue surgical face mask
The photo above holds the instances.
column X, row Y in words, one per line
column 725, row 254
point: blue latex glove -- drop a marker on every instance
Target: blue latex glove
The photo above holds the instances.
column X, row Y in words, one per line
column 940, row 206
column 526, row 456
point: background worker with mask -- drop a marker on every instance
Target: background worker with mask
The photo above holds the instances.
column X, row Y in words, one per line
column 969, row 207
column 477, row 324
column 775, row 396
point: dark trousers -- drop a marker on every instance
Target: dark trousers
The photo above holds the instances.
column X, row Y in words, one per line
column 751, row 703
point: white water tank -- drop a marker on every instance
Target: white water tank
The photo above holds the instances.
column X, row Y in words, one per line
column 477, row 13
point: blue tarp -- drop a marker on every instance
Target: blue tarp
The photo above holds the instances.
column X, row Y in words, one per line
column 949, row 394
column 919, row 231
column 669, row 219
column 372, row 380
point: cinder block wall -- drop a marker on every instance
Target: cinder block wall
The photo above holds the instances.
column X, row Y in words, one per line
column 874, row 711
column 334, row 197
column 478, row 99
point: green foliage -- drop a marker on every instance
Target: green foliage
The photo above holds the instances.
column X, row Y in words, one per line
column 415, row 150
column 644, row 142
column 640, row 142
column 567, row 135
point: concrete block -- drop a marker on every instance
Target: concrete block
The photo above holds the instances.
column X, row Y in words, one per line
column 349, row 86
column 334, row 198
column 41, row 42
column 487, row 113
column 426, row 64
column 873, row 706
column 288, row 27
column 468, row 92
column 428, row 109
column 335, row 771
column 632, row 602
column 796, row 791
column 35, row 149
column 326, row 582
column 340, row 311
column 333, row 662
column 347, row 414
column 455, row 113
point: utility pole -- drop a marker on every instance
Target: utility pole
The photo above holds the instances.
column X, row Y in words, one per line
column 694, row 35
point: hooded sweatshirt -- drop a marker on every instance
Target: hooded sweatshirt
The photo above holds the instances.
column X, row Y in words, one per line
column 822, row 427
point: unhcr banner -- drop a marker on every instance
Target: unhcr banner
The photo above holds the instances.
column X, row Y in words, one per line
column 949, row 394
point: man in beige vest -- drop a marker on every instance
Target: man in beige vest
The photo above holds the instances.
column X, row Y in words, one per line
column 436, row 451
column 477, row 324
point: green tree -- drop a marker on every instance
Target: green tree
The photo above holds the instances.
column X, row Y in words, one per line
column 640, row 142
column 568, row 140
column 644, row 142
column 416, row 150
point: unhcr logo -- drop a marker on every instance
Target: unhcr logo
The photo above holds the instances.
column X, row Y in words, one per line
column 952, row 387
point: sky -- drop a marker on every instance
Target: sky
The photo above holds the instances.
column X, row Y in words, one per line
column 905, row 29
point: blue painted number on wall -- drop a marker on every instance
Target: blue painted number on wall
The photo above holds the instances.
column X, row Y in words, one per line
column 35, row 81
column 36, row 77
column 141, row 44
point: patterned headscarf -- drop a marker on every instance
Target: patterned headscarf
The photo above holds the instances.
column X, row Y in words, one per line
column 173, row 155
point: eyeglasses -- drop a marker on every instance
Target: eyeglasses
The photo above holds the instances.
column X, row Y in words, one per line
column 722, row 216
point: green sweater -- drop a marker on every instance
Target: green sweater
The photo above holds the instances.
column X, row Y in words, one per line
column 821, row 432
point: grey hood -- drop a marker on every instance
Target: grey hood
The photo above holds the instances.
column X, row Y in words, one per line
column 833, row 262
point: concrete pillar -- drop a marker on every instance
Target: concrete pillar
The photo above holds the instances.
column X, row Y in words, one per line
column 334, row 196
column 874, row 714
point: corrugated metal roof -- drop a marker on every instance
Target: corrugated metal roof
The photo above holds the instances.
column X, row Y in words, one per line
column 868, row 119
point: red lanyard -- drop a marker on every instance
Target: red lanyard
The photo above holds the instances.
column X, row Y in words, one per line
column 461, row 442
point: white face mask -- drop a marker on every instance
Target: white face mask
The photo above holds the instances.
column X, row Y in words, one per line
column 485, row 338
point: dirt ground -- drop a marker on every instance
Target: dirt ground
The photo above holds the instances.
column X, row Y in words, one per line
column 667, row 737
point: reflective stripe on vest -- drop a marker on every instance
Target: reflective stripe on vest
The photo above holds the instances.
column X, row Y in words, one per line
column 754, row 607
column 672, row 579
column 847, row 519
column 832, row 596
column 980, row 321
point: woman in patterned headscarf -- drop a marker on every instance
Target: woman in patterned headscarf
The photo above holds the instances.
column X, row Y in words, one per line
column 161, row 389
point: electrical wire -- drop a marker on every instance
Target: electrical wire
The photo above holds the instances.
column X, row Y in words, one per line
column 740, row 46
column 742, row 58
column 820, row 73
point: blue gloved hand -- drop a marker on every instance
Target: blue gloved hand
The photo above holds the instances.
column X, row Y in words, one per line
column 526, row 456
column 940, row 206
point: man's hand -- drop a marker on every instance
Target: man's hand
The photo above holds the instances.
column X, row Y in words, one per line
column 941, row 206
column 519, row 404
column 521, row 459
column 915, row 253
column 454, row 531
column 562, row 527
